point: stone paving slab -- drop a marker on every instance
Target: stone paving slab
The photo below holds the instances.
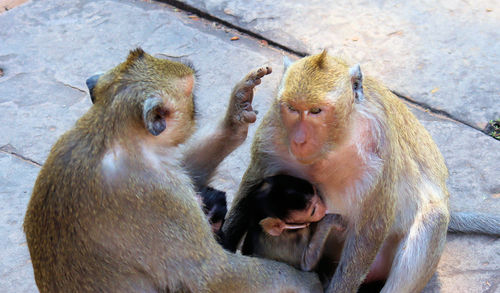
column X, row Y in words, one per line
column 445, row 53
column 48, row 49
column 16, row 180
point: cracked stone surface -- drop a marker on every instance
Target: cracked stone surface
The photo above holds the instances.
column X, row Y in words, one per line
column 444, row 53
column 49, row 48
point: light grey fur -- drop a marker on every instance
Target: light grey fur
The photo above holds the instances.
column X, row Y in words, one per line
column 477, row 223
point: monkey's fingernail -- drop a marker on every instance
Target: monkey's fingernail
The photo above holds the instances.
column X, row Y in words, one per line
column 249, row 117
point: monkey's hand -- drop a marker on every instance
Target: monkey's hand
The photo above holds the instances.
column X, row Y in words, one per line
column 312, row 254
column 335, row 221
column 240, row 111
column 204, row 154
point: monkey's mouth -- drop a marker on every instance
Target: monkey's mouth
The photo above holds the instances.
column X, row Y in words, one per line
column 304, row 160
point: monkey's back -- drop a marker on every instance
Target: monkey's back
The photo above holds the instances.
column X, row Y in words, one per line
column 412, row 161
column 51, row 223
column 89, row 235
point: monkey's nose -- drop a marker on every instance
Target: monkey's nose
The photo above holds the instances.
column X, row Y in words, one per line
column 299, row 138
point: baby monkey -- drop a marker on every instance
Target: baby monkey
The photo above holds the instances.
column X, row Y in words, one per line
column 289, row 222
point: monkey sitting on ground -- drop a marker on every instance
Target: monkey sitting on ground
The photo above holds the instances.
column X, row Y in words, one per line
column 114, row 206
column 374, row 164
column 288, row 222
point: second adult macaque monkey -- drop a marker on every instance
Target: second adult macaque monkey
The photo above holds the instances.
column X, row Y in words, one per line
column 288, row 222
column 114, row 207
column 371, row 159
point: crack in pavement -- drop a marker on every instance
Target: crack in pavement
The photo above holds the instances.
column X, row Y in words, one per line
column 187, row 8
column 439, row 113
column 73, row 87
column 190, row 9
column 8, row 149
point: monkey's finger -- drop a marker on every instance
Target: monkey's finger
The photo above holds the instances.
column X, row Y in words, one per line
column 262, row 71
column 249, row 116
column 254, row 77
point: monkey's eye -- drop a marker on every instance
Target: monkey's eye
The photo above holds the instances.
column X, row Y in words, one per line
column 291, row 108
column 313, row 211
column 315, row 111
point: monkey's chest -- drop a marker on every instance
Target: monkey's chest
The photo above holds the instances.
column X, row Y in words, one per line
column 341, row 178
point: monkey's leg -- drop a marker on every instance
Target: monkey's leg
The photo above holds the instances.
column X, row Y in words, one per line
column 205, row 153
column 419, row 252
column 314, row 250
column 359, row 252
column 364, row 239
column 250, row 274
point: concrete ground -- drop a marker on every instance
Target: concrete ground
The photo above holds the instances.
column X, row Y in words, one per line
column 442, row 57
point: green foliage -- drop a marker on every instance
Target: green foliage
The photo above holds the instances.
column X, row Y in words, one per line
column 493, row 128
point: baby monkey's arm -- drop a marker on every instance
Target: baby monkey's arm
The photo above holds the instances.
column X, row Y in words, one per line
column 313, row 251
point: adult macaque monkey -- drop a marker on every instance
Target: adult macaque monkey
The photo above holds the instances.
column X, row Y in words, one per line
column 372, row 160
column 114, row 209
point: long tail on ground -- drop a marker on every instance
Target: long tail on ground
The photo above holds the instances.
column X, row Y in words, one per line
column 476, row 223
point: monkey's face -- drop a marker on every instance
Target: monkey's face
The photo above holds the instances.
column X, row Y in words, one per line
column 314, row 212
column 307, row 129
column 313, row 106
column 296, row 219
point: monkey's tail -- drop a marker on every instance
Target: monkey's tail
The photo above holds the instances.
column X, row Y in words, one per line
column 476, row 223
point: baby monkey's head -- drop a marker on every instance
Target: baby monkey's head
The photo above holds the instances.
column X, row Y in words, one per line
column 285, row 202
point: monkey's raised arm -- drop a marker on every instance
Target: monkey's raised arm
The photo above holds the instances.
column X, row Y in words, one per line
column 206, row 153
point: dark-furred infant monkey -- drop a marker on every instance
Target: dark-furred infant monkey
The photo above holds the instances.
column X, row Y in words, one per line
column 289, row 222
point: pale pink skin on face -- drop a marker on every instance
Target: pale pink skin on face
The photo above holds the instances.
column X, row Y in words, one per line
column 313, row 213
column 300, row 219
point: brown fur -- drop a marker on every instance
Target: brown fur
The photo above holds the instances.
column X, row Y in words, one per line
column 113, row 208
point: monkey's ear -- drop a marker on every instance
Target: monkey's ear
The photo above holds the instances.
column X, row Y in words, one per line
column 154, row 113
column 357, row 83
column 320, row 59
column 286, row 62
column 91, row 82
column 272, row 226
column 135, row 54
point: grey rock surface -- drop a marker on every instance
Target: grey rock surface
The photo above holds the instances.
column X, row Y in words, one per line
column 445, row 54
column 49, row 48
